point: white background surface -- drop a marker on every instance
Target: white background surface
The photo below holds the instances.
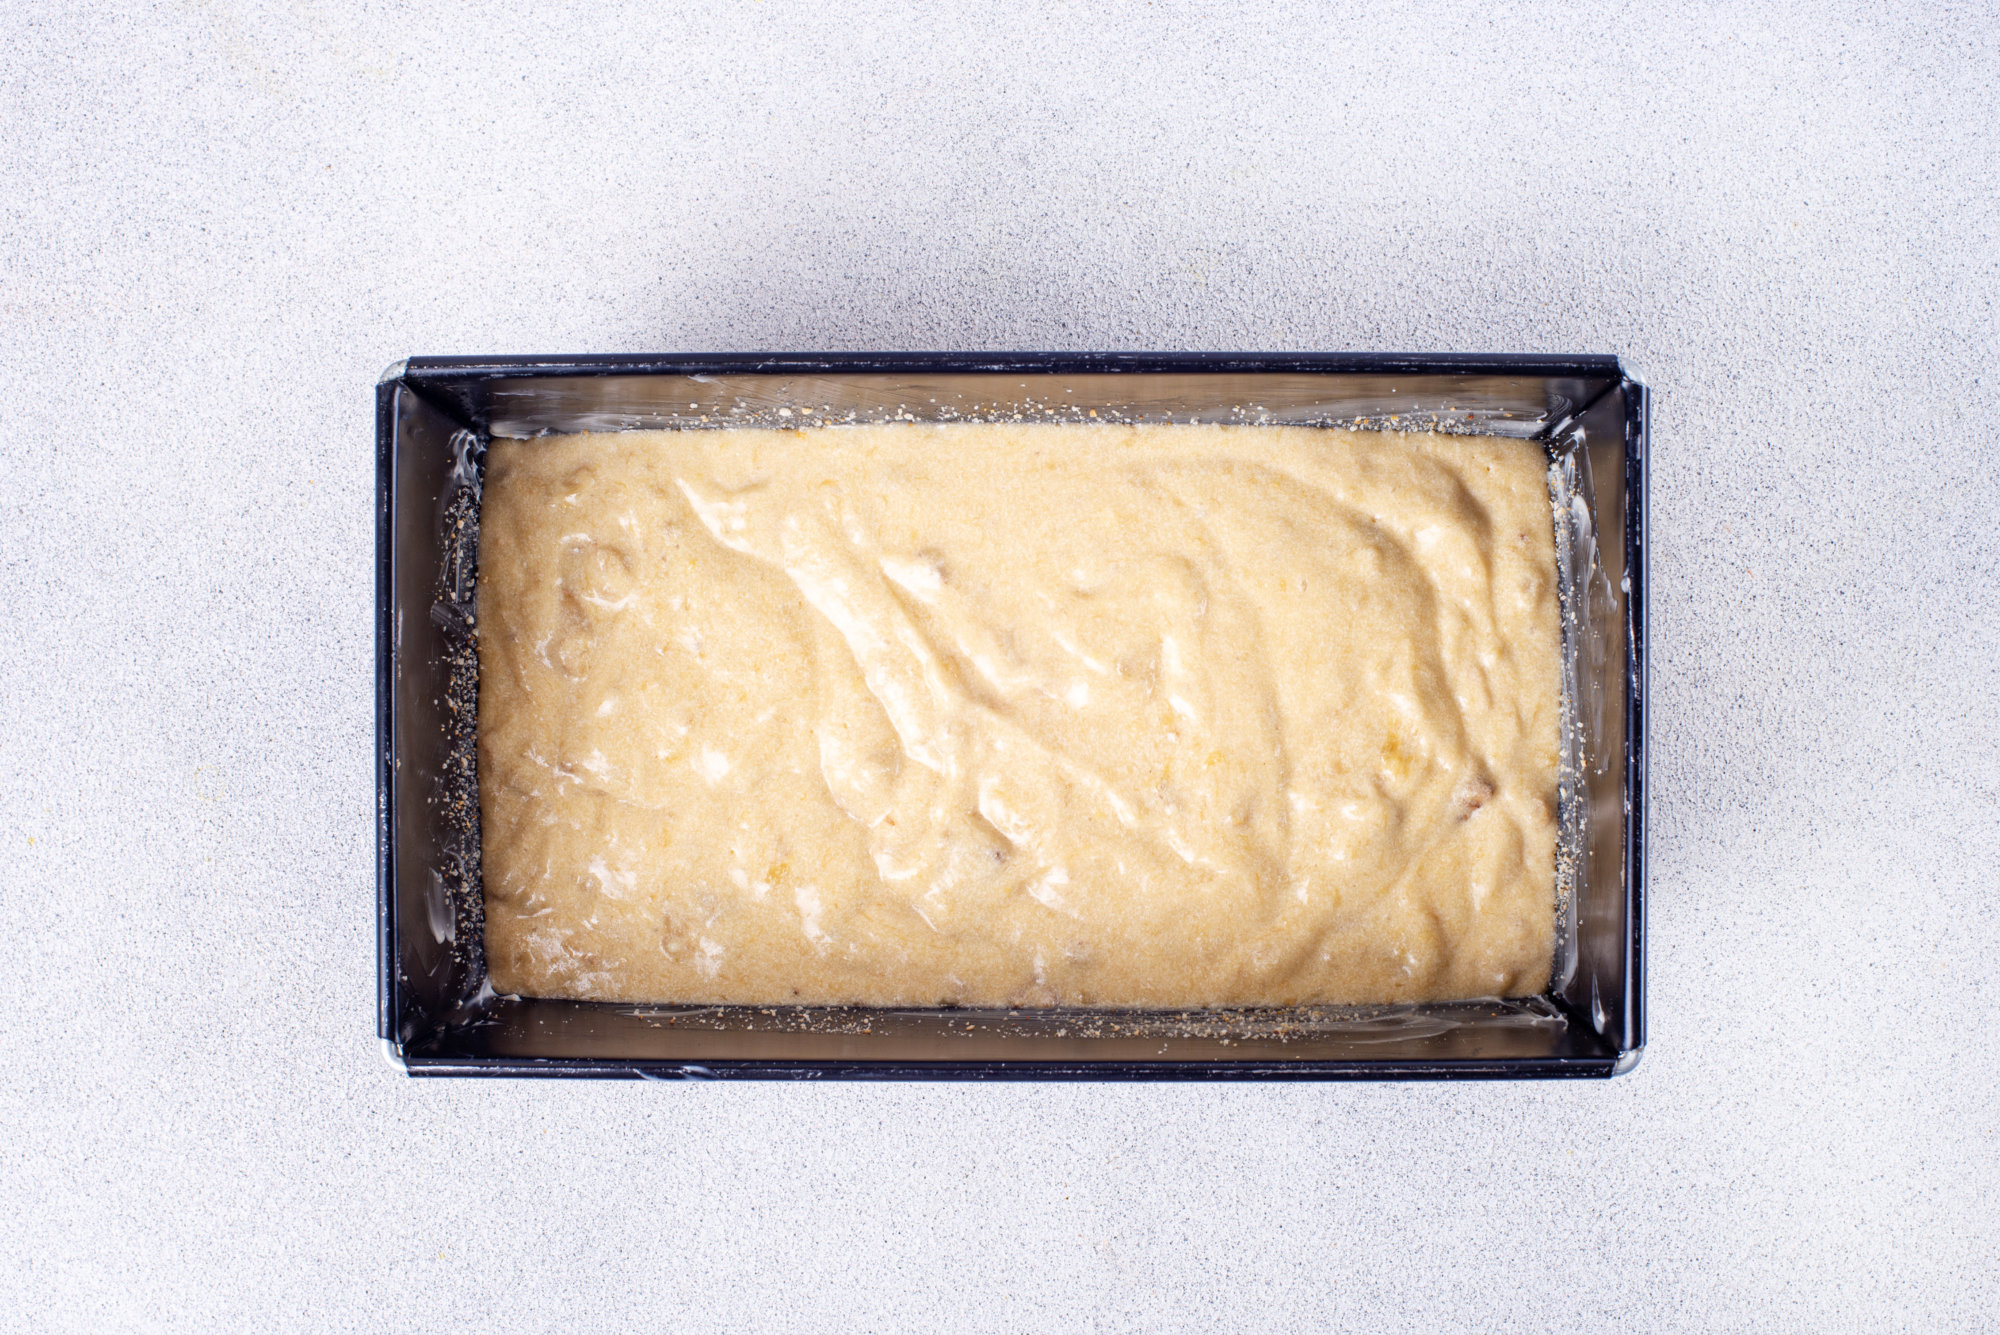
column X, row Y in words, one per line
column 219, row 222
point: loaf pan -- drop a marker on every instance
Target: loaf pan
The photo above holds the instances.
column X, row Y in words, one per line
column 439, row 1017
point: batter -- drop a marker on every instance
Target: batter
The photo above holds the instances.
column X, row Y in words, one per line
column 1028, row 715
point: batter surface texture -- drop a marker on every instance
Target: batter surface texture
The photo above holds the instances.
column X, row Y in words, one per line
column 1159, row 716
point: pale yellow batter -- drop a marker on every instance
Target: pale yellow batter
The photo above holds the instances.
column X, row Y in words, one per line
column 1159, row 716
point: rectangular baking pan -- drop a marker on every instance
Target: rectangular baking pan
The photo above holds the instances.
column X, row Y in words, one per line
column 434, row 416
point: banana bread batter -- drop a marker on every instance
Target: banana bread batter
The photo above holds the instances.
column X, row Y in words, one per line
column 910, row 714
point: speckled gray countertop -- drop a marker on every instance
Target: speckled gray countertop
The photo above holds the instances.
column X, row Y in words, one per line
column 219, row 221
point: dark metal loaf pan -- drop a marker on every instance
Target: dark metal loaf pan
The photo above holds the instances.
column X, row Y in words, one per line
column 434, row 416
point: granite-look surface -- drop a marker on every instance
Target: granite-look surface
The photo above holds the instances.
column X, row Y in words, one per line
column 219, row 221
